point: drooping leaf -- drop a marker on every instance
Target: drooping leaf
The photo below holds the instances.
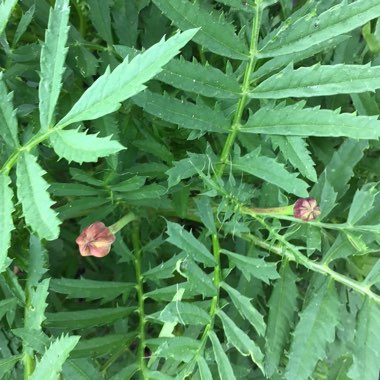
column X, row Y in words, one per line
column 128, row 79
column 183, row 113
column 366, row 352
column 6, row 225
column 216, row 34
column 186, row 241
column 101, row 18
column 253, row 267
column 77, row 146
column 318, row 80
column 8, row 121
column 240, row 340
column 295, row 121
column 362, row 202
column 204, row 370
column 53, row 54
column 295, row 150
column 224, row 365
column 271, row 171
column 35, row 311
column 201, row 79
column 314, row 331
column 245, row 308
column 72, row 320
column 50, row 365
column 90, row 289
column 5, row 12
column 282, row 306
column 313, row 29
column 35, row 200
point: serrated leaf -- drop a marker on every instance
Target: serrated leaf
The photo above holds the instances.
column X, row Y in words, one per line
column 186, row 241
column 314, row 331
column 366, row 353
column 339, row 170
column 25, row 20
column 5, row 12
column 313, row 29
column 295, row 121
column 35, row 310
column 72, row 189
column 183, row 113
column 271, row 171
column 362, row 202
column 50, row 365
column 77, row 146
column 240, row 340
column 249, row 266
column 53, row 54
column 216, row 34
column 184, row 313
column 101, row 18
column 295, row 150
column 128, row 79
column 37, row 261
column 246, row 309
column 7, row 364
column 282, row 306
column 198, row 281
column 180, row 348
column 82, row 369
column 103, row 345
column 165, row 269
column 37, row 340
column 72, row 320
column 35, row 200
column 153, row 191
column 318, row 80
column 90, row 289
column 373, row 276
column 8, row 120
column 224, row 366
column 7, row 305
column 201, row 79
column 130, row 184
column 205, row 213
column 6, row 225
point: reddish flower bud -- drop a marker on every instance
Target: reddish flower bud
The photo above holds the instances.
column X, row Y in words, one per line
column 306, row 209
column 95, row 240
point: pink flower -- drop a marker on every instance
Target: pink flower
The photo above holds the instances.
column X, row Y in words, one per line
column 306, row 209
column 95, row 240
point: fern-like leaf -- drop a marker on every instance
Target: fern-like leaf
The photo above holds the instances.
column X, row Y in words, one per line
column 216, row 34
column 35, row 200
column 313, row 332
column 128, row 79
column 314, row 29
column 6, row 225
column 319, row 80
column 296, row 121
column 282, row 306
column 50, row 365
column 53, row 56
column 35, row 312
column 271, row 171
column 8, row 121
column 77, row 146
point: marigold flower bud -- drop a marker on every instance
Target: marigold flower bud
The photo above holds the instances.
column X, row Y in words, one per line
column 306, row 209
column 95, row 240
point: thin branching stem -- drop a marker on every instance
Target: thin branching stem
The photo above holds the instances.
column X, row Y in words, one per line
column 136, row 243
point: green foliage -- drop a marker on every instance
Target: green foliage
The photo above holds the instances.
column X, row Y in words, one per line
column 192, row 147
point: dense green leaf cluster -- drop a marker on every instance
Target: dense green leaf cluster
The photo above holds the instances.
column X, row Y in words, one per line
column 190, row 128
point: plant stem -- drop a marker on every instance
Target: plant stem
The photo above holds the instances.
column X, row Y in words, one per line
column 292, row 254
column 116, row 227
column 245, row 90
column 136, row 243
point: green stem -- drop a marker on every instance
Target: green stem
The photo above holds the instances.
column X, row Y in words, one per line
column 291, row 253
column 126, row 219
column 140, row 296
column 245, row 90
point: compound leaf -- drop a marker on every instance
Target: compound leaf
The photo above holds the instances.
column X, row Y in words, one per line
column 224, row 366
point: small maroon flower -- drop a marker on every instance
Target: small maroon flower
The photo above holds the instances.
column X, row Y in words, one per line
column 306, row 209
column 95, row 240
